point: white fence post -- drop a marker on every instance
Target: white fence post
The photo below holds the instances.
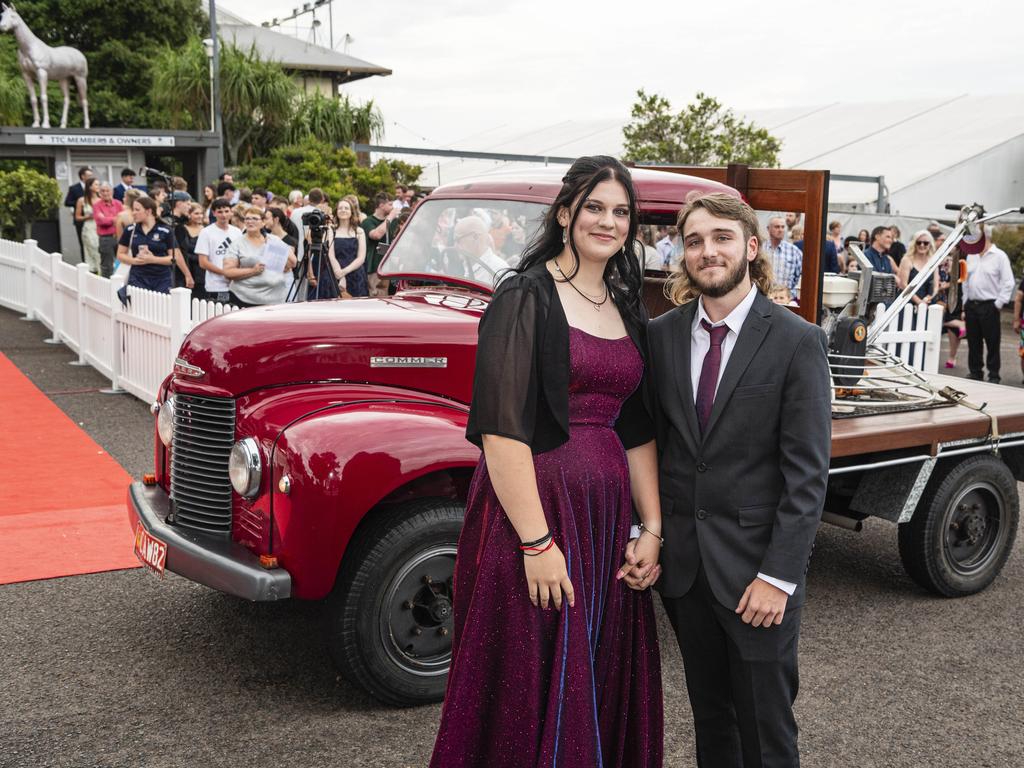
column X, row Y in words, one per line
column 29, row 248
column 181, row 320
column 933, row 348
column 83, row 317
column 116, row 343
column 55, row 303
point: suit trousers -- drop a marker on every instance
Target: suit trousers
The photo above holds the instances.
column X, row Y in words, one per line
column 742, row 681
column 983, row 328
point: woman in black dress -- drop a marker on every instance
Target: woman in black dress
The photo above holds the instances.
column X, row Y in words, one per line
column 347, row 252
column 187, row 234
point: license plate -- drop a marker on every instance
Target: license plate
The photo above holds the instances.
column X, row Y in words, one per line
column 151, row 551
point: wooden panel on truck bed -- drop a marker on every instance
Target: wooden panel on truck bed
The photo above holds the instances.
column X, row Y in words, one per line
column 870, row 434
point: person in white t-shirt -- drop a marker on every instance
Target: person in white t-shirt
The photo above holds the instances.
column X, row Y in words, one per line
column 211, row 246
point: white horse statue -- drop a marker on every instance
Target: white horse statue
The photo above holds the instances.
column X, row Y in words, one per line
column 40, row 63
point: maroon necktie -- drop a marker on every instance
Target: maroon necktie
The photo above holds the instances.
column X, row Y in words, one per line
column 709, row 373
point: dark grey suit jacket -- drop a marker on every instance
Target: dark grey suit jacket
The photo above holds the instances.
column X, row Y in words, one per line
column 747, row 496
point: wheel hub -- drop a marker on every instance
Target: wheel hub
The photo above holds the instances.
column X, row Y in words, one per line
column 417, row 617
column 973, row 528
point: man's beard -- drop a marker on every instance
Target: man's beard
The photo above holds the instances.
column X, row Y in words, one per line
column 715, row 290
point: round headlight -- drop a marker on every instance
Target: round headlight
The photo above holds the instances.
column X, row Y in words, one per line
column 165, row 421
column 245, row 467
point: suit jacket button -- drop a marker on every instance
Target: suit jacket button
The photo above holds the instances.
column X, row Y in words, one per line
column 702, row 467
column 703, row 514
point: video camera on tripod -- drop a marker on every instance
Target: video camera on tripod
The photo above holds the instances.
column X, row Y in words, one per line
column 314, row 261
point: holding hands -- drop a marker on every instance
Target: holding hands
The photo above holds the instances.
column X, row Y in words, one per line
column 641, row 568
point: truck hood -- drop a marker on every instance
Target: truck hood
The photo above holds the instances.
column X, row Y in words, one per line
column 422, row 339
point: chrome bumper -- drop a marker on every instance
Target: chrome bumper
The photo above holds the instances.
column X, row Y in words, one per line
column 215, row 561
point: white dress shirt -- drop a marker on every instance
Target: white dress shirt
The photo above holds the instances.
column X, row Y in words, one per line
column 989, row 277
column 700, row 343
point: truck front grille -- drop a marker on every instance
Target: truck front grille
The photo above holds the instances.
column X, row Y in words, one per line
column 204, row 431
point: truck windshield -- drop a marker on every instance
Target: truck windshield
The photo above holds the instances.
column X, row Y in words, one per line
column 464, row 240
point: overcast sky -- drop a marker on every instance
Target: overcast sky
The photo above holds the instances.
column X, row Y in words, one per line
column 461, row 68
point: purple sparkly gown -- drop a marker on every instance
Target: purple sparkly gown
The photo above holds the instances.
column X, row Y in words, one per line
column 578, row 688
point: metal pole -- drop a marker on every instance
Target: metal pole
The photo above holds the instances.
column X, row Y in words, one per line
column 330, row 17
column 218, row 123
column 213, row 112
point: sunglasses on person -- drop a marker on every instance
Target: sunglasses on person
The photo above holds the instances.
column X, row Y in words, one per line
column 923, row 242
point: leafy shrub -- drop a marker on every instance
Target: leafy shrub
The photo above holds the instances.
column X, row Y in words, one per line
column 314, row 163
column 27, row 196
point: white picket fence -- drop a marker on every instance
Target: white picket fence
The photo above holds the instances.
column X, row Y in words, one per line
column 133, row 346
column 915, row 336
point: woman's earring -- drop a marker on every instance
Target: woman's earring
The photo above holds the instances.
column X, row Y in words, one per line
column 565, row 235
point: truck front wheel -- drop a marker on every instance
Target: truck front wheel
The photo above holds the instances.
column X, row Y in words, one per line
column 963, row 530
column 390, row 611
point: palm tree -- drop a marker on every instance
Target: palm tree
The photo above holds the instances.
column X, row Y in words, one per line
column 257, row 95
column 337, row 121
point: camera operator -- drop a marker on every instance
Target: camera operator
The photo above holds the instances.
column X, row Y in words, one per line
column 320, row 280
column 316, row 198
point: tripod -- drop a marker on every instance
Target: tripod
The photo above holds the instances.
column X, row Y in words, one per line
column 314, row 253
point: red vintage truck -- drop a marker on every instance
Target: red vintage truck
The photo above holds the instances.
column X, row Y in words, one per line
column 317, row 450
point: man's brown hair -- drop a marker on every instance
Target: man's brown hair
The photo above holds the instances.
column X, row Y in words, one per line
column 678, row 288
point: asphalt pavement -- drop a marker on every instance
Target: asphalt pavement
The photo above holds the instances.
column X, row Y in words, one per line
column 128, row 669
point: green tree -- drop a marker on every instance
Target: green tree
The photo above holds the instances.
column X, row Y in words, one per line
column 118, row 41
column 256, row 95
column 28, row 196
column 315, row 163
column 337, row 121
column 1011, row 239
column 703, row 133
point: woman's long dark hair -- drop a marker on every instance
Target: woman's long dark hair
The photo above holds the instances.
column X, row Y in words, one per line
column 622, row 274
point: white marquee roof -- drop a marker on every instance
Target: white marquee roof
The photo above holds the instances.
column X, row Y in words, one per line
column 908, row 142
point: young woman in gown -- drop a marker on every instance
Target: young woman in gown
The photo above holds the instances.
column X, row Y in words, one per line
column 555, row 659
column 347, row 252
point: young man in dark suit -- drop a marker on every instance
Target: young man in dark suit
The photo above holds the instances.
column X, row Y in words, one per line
column 127, row 182
column 741, row 391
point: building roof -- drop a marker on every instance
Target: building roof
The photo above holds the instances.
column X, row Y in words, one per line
column 292, row 53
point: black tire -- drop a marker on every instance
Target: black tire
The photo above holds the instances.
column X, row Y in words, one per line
column 390, row 613
column 964, row 527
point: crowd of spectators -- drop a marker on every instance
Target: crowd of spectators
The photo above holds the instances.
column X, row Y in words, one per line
column 233, row 244
column 248, row 246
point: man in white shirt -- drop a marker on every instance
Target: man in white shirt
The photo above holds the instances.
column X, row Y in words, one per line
column 212, row 245
column 988, row 289
column 665, row 245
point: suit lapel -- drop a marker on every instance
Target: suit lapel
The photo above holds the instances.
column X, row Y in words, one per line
column 752, row 334
column 681, row 342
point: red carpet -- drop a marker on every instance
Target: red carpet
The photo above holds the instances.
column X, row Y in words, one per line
column 61, row 496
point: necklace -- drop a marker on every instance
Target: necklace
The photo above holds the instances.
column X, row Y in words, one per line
column 596, row 304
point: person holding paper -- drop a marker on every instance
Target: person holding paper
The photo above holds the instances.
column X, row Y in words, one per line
column 256, row 264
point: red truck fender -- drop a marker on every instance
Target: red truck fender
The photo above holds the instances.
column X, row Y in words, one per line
column 342, row 461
